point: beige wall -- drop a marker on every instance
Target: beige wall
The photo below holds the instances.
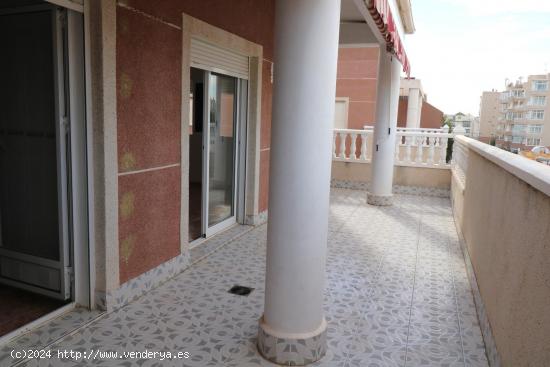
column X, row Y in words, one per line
column 404, row 176
column 457, row 199
column 505, row 225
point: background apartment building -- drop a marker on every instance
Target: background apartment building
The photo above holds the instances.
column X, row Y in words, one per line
column 489, row 115
column 468, row 121
column 524, row 116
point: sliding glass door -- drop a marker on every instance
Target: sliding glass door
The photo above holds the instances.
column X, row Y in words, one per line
column 35, row 249
column 221, row 151
column 217, row 126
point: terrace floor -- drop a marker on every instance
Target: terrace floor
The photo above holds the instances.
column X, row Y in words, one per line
column 397, row 295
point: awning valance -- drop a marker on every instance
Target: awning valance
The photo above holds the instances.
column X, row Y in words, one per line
column 382, row 15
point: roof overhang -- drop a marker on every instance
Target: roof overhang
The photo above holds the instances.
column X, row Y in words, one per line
column 382, row 14
column 405, row 11
column 354, row 28
column 377, row 21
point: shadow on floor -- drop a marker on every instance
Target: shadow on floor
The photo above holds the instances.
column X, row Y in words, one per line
column 19, row 307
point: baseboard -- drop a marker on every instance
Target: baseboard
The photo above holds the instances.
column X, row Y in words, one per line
column 256, row 220
column 397, row 189
column 142, row 284
column 137, row 287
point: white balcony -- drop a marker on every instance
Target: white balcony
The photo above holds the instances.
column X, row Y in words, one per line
column 405, row 284
column 414, row 147
column 420, row 160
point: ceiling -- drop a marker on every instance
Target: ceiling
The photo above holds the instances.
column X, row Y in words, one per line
column 353, row 28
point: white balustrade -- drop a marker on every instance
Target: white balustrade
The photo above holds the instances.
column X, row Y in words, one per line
column 413, row 147
column 419, row 152
column 353, row 148
column 343, row 136
column 334, row 146
column 431, row 151
column 397, row 144
column 363, row 156
column 350, row 145
column 443, row 142
column 424, row 149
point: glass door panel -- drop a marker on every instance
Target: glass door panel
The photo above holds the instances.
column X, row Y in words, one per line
column 221, row 152
column 34, row 244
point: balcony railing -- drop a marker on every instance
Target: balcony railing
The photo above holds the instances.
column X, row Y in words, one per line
column 501, row 206
column 352, row 145
column 413, row 147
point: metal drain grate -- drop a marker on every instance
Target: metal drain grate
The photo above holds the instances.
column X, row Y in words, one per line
column 241, row 290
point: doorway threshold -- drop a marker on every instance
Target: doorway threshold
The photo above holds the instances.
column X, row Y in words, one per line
column 4, row 339
column 203, row 247
column 197, row 242
column 45, row 331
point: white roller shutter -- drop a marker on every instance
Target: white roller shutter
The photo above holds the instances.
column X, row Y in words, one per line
column 210, row 57
column 76, row 5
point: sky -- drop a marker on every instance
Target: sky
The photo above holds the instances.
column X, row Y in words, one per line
column 463, row 47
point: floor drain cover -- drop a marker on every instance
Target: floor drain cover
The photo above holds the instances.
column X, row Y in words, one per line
column 241, row 290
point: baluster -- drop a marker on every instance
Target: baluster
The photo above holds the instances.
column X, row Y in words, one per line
column 363, row 156
column 425, row 147
column 408, row 149
column 397, row 144
column 414, row 144
column 419, row 149
column 431, row 151
column 334, row 144
column 343, row 145
column 417, row 142
column 443, row 151
column 353, row 147
column 438, row 142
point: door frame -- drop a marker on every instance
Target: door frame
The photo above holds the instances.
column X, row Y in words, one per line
column 63, row 151
column 60, row 76
column 242, row 146
column 73, row 171
column 81, row 170
column 196, row 28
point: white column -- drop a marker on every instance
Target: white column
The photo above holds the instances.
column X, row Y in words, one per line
column 419, row 118
column 293, row 327
column 383, row 152
column 413, row 104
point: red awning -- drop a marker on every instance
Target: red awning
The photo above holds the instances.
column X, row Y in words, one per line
column 381, row 13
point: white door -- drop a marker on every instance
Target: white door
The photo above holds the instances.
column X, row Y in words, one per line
column 34, row 152
column 341, row 113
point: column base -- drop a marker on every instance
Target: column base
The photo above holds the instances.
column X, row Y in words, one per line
column 292, row 349
column 379, row 200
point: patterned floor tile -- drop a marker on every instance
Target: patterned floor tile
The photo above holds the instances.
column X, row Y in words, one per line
column 397, row 295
